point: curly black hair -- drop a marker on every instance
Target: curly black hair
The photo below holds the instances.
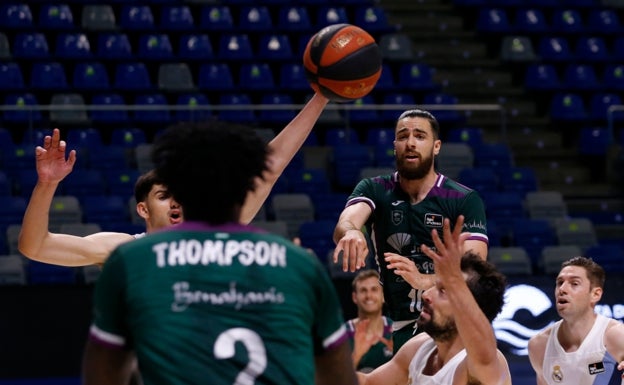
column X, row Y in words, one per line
column 209, row 167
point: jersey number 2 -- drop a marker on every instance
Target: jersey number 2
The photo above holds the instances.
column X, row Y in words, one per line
column 224, row 348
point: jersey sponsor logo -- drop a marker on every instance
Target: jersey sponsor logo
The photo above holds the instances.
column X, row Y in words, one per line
column 397, row 217
column 396, row 203
column 223, row 253
column 433, row 220
column 596, row 368
column 399, row 240
column 184, row 296
column 474, row 225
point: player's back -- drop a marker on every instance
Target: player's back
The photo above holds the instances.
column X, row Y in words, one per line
column 206, row 306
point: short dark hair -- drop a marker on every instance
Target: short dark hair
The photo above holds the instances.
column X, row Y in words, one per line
column 486, row 284
column 595, row 272
column 209, row 167
column 416, row 113
column 362, row 275
column 144, row 185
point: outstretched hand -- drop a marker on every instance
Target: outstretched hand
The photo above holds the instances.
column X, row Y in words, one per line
column 406, row 269
column 52, row 163
column 448, row 254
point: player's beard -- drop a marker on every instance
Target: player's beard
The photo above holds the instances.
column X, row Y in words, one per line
column 439, row 332
column 414, row 172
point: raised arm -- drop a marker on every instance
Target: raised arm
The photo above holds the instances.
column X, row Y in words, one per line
column 35, row 240
column 484, row 362
column 350, row 239
column 284, row 146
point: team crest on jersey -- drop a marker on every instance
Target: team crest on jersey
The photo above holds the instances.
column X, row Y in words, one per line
column 397, row 217
column 596, row 367
column 557, row 375
column 433, row 220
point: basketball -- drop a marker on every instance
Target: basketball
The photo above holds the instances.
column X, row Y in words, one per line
column 342, row 62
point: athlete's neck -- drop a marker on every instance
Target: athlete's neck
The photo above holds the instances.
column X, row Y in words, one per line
column 417, row 189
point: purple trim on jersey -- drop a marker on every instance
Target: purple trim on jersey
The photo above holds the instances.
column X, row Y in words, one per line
column 361, row 199
column 106, row 339
column 227, row 227
column 438, row 191
column 387, row 184
column 338, row 338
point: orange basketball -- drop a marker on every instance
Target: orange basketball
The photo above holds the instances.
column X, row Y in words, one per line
column 342, row 62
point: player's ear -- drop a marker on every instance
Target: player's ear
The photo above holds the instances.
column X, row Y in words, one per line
column 142, row 210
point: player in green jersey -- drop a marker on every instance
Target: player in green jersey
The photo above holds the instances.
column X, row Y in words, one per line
column 399, row 211
column 370, row 332
column 212, row 300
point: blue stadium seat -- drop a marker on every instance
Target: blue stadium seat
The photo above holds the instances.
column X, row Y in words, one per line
column 31, row 46
column 82, row 182
column 580, row 77
column 274, row 47
column 497, row 156
column 493, row 20
column 398, row 98
column 348, row 160
column 282, row 116
column 11, row 77
column 193, row 114
column 416, row 77
column 530, row 21
column 599, row 105
column 603, row 21
column 339, row 137
column 114, row 46
column 256, row 76
column 136, row 17
column 363, row 110
column 613, row 77
column 331, row 14
column 609, row 256
column 120, row 181
column 329, row 205
column 255, row 18
column 239, row 100
column 129, row 137
column 22, row 113
column 372, row 19
column 567, row 20
column 73, row 46
column 482, row 179
column 105, row 209
column 39, row 273
column 518, row 179
column 294, row 18
column 554, row 48
column 215, row 76
column 541, row 77
column 591, row 49
column 568, row 107
column 216, row 18
column 617, row 49
column 593, row 141
column 106, row 115
column 504, row 207
column 442, row 115
column 56, row 17
column 234, row 47
column 377, row 136
column 90, row 76
column 533, row 235
column 176, row 18
column 292, row 77
column 318, row 236
column 472, row 136
column 6, row 185
column 154, row 47
column 48, row 76
column 132, row 76
column 309, row 181
column 16, row 16
column 386, row 80
column 195, row 47
column 106, row 158
column 151, row 115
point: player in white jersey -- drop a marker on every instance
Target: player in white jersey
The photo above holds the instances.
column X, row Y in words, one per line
column 157, row 208
column 583, row 347
column 458, row 346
